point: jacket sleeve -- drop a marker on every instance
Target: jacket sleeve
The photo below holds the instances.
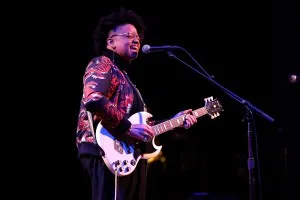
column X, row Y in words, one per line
column 96, row 82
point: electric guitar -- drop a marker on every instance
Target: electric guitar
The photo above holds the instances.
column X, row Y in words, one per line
column 121, row 157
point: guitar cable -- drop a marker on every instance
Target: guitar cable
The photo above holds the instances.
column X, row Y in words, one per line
column 116, row 184
column 92, row 129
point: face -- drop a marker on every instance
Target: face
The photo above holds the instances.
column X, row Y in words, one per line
column 125, row 41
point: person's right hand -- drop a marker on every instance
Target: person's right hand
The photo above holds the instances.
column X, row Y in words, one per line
column 141, row 132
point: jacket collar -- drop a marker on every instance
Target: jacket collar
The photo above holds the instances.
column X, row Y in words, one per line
column 117, row 59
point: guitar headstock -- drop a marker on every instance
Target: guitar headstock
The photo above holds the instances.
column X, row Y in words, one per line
column 213, row 107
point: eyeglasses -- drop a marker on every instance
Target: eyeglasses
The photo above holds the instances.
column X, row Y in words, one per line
column 130, row 35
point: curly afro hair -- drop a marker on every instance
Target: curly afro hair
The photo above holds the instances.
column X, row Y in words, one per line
column 110, row 22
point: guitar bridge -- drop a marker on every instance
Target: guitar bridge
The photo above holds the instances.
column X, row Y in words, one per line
column 118, row 147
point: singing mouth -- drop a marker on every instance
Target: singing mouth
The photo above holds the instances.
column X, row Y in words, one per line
column 135, row 48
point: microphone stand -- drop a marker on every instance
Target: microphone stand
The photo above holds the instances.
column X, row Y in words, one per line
column 248, row 113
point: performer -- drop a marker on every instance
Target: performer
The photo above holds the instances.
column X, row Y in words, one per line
column 110, row 96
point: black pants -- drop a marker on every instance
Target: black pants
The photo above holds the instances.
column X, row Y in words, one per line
column 130, row 187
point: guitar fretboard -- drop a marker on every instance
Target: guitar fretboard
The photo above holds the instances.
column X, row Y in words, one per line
column 176, row 122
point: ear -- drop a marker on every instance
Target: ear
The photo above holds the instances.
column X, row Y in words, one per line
column 110, row 42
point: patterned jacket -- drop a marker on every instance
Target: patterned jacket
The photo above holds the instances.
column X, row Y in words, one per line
column 108, row 94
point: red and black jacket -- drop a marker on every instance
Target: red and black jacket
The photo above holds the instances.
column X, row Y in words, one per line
column 111, row 98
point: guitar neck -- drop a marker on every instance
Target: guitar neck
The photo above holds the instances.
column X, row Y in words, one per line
column 176, row 122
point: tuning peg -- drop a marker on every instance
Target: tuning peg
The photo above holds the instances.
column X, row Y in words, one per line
column 211, row 98
column 212, row 116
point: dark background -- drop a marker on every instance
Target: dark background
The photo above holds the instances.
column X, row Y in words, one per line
column 250, row 47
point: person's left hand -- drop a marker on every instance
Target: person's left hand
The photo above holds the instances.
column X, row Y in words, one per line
column 189, row 118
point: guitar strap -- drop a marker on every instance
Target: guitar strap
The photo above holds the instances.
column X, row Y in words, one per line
column 91, row 125
column 136, row 91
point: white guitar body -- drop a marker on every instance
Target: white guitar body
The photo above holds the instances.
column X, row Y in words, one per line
column 119, row 157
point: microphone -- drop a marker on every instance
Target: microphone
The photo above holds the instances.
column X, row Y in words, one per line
column 293, row 78
column 147, row 48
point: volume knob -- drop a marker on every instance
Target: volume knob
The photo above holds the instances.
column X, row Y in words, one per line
column 128, row 169
column 132, row 162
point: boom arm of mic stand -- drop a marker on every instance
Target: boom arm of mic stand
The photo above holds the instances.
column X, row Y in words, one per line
column 231, row 94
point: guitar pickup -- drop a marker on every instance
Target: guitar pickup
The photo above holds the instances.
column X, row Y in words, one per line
column 118, row 147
